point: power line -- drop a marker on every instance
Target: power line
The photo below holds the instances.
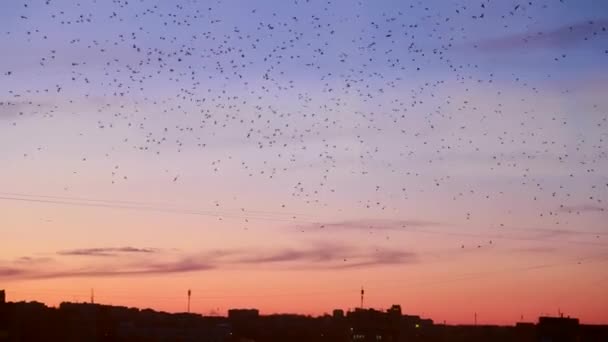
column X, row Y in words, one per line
column 270, row 292
column 501, row 237
column 135, row 203
column 268, row 216
column 154, row 209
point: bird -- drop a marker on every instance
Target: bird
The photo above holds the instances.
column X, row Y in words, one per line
column 372, row 112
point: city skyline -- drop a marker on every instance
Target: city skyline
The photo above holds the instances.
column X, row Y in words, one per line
column 475, row 319
column 90, row 321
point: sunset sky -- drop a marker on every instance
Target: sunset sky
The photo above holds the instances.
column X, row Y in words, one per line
column 448, row 156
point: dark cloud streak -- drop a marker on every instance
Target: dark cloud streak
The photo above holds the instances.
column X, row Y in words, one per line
column 581, row 208
column 328, row 256
column 561, row 37
column 314, row 256
column 370, row 224
column 107, row 251
column 181, row 266
column 10, row 272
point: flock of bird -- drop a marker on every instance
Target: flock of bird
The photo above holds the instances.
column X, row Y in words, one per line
column 325, row 87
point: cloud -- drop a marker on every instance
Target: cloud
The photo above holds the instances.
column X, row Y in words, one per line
column 536, row 249
column 328, row 256
column 18, row 108
column 581, row 208
column 320, row 253
column 10, row 272
column 107, row 251
column 390, row 257
column 32, row 260
column 560, row 37
column 183, row 265
column 370, row 224
column 128, row 261
column 287, row 255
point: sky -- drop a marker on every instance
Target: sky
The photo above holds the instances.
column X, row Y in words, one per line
column 448, row 156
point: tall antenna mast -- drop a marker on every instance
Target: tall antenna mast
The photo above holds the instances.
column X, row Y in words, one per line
column 92, row 296
column 189, row 294
column 362, row 293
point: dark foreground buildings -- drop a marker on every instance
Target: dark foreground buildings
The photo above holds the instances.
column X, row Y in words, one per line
column 31, row 321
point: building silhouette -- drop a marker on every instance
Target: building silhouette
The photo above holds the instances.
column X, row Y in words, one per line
column 338, row 314
column 32, row 321
column 558, row 329
column 4, row 318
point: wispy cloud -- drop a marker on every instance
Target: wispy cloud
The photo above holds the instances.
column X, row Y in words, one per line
column 129, row 261
column 370, row 224
column 560, row 37
column 107, row 251
column 581, row 208
column 10, row 109
column 535, row 249
column 180, row 266
column 381, row 258
column 32, row 260
column 329, row 256
column 287, row 255
column 10, row 272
